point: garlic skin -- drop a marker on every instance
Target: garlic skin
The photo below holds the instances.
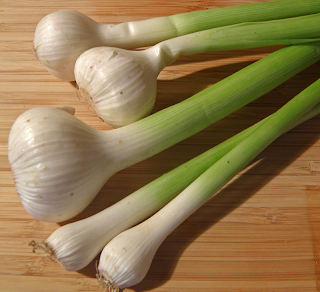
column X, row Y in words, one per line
column 119, row 85
column 70, row 248
column 126, row 259
column 76, row 244
column 59, row 163
column 113, row 82
column 61, row 37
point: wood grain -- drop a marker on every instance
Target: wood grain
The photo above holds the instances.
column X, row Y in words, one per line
column 260, row 233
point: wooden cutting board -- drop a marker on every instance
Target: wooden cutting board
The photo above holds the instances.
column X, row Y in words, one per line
column 260, row 233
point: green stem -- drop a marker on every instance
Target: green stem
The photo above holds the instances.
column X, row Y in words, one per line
column 165, row 128
column 160, row 191
column 148, row 32
column 289, row 31
column 221, row 172
column 242, row 154
column 186, row 23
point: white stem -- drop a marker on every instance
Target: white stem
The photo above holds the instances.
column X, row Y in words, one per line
column 75, row 245
column 135, row 34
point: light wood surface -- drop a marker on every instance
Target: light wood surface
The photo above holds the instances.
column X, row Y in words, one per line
column 260, row 233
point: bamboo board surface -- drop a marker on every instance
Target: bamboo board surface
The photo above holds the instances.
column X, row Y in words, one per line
column 260, row 233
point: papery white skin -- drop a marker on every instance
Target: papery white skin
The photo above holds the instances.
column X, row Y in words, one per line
column 58, row 162
column 71, row 246
column 126, row 259
column 61, row 37
column 121, row 85
column 75, row 245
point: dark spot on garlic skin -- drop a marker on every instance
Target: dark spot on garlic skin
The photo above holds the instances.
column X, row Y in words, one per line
column 71, row 194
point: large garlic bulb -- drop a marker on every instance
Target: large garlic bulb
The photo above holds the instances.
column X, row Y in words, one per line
column 59, row 163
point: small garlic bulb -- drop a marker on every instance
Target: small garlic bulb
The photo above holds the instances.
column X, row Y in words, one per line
column 76, row 244
column 120, row 86
column 61, row 37
column 126, row 259
column 58, row 162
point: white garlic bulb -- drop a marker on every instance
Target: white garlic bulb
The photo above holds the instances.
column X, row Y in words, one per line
column 120, row 86
column 58, row 163
column 126, row 259
column 60, row 37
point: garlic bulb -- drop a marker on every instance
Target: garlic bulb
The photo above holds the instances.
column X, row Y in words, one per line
column 126, row 259
column 120, row 85
column 58, row 163
column 76, row 244
column 61, row 37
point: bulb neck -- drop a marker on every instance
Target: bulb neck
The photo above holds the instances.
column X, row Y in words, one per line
column 162, row 55
column 138, row 34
